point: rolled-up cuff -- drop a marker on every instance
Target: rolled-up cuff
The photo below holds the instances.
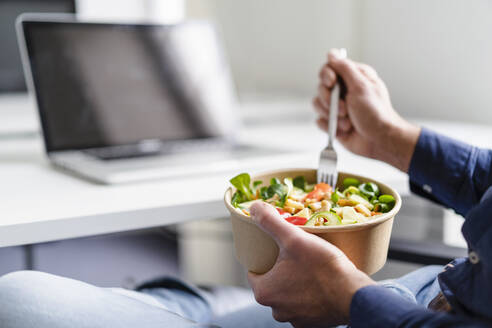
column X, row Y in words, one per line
column 376, row 306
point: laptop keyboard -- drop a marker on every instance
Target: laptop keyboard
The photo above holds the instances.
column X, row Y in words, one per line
column 108, row 154
column 133, row 151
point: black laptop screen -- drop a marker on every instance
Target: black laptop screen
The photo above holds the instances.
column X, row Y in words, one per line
column 100, row 85
column 11, row 74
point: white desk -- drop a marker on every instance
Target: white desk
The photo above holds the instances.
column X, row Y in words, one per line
column 20, row 112
column 41, row 204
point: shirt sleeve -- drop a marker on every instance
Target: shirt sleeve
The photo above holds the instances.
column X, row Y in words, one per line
column 376, row 306
column 449, row 172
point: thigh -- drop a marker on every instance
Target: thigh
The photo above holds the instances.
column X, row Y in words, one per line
column 255, row 315
column 227, row 306
column 35, row 299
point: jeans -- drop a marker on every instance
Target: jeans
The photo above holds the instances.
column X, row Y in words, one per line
column 35, row 299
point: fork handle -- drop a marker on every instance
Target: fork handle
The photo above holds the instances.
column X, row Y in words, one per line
column 334, row 98
column 332, row 127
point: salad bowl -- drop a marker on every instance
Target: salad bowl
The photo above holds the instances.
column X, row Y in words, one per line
column 365, row 244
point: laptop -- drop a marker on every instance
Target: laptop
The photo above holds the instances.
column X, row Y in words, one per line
column 129, row 102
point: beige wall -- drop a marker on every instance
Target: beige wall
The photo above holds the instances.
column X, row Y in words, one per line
column 435, row 55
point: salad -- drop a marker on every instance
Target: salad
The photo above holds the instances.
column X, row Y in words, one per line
column 305, row 204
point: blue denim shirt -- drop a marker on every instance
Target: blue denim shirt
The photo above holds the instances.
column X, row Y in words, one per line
column 458, row 176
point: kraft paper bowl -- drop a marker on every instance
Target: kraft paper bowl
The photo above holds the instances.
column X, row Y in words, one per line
column 365, row 244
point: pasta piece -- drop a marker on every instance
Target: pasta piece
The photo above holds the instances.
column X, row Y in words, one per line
column 292, row 203
column 325, row 206
column 305, row 213
column 289, row 209
column 346, row 202
column 315, row 206
column 362, row 209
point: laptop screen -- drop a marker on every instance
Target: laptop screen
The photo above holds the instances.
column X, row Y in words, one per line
column 100, row 85
column 11, row 74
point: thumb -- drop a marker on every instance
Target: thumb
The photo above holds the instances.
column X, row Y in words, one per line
column 270, row 221
column 347, row 69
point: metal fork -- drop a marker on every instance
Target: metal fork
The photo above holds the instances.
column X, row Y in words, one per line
column 327, row 169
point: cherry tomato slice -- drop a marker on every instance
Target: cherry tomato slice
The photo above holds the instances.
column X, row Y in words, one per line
column 283, row 214
column 297, row 220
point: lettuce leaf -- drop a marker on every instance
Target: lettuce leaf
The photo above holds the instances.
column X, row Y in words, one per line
column 237, row 199
column 242, row 183
column 300, row 182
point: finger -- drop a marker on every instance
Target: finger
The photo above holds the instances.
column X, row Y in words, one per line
column 257, row 284
column 348, row 70
column 269, row 220
column 342, row 109
column 368, row 71
column 322, row 123
column 264, row 287
column 324, row 96
column 325, row 113
column 344, row 124
column 343, row 136
column 281, row 315
column 254, row 280
column 327, row 76
column 345, row 130
column 322, row 111
column 371, row 74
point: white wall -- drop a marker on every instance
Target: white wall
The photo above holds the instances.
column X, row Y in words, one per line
column 277, row 46
column 435, row 55
column 165, row 11
column 110, row 9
